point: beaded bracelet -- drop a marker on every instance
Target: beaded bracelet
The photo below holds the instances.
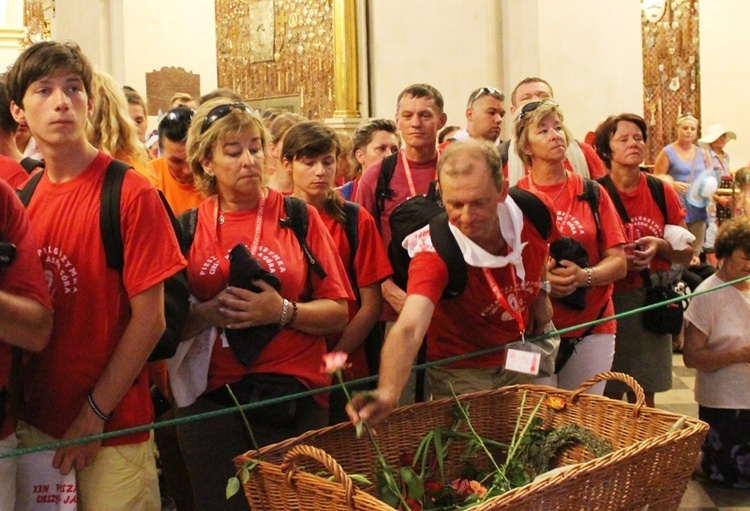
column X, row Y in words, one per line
column 589, row 276
column 294, row 313
column 103, row 416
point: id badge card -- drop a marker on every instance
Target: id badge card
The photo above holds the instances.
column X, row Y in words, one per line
column 523, row 357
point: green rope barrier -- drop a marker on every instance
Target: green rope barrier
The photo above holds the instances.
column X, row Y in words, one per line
column 250, row 406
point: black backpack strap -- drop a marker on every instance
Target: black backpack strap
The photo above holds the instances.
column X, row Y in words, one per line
column 447, row 248
column 30, row 164
column 351, row 226
column 656, row 187
column 591, row 195
column 534, row 209
column 187, row 222
column 27, row 191
column 383, row 190
column 109, row 214
column 609, row 185
column 297, row 220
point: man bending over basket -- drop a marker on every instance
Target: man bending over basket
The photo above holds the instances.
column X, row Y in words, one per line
column 504, row 294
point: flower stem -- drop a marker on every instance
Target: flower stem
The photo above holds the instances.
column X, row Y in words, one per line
column 473, row 431
column 244, row 419
column 381, row 459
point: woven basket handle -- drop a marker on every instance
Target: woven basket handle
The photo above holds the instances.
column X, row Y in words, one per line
column 640, row 399
column 302, row 452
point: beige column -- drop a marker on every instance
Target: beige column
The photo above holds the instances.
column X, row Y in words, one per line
column 346, row 113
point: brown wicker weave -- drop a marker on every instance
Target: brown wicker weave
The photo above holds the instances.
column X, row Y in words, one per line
column 650, row 465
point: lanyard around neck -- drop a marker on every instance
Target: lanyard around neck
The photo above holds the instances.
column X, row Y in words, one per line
column 409, row 177
column 502, row 301
column 219, row 220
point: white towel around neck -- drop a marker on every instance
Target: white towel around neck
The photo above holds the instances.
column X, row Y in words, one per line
column 511, row 225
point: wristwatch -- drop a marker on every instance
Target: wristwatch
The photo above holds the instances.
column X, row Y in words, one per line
column 545, row 286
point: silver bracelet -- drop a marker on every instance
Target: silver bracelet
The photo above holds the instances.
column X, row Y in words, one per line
column 589, row 276
column 284, row 313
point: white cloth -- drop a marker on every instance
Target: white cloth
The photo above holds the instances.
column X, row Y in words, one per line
column 462, row 135
column 188, row 368
column 8, row 474
column 679, row 237
column 724, row 316
column 511, row 225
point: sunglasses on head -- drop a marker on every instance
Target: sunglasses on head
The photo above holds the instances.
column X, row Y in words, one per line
column 220, row 111
column 530, row 107
column 486, row 91
column 178, row 114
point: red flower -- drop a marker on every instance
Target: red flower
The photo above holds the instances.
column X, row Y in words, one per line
column 432, row 486
column 414, row 504
column 462, row 486
column 407, row 459
column 334, row 362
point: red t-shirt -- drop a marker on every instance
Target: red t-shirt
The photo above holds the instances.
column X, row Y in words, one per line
column 474, row 321
column 575, row 219
column 24, row 276
column 292, row 351
column 12, row 172
column 92, row 301
column 647, row 220
column 370, row 266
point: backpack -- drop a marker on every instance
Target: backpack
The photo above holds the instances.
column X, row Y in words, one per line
column 421, row 210
column 176, row 293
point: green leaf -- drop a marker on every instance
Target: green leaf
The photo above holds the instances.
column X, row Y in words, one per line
column 359, row 478
column 233, row 486
column 414, row 484
column 244, row 475
column 358, row 428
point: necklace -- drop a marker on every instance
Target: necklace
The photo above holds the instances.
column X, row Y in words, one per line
column 564, row 187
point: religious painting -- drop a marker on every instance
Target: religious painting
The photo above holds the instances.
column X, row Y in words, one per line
column 261, row 31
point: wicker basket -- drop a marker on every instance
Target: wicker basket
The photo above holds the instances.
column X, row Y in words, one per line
column 650, row 466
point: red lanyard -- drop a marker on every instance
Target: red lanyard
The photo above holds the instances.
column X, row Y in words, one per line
column 409, row 177
column 502, row 301
column 219, row 219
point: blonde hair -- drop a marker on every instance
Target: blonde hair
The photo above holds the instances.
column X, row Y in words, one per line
column 529, row 118
column 110, row 127
column 200, row 146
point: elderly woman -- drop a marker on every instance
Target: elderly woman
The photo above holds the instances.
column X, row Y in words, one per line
column 262, row 312
column 620, row 142
column 718, row 347
column 590, row 256
column 310, row 157
column 684, row 161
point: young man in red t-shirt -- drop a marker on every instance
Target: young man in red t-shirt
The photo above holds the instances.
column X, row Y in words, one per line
column 91, row 376
column 504, row 293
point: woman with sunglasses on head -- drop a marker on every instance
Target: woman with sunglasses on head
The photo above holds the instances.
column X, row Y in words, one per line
column 684, row 162
column 589, row 257
column 291, row 308
column 309, row 157
column 646, row 356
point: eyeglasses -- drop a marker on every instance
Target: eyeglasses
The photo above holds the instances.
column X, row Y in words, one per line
column 530, row 107
column 220, row 111
column 485, row 91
